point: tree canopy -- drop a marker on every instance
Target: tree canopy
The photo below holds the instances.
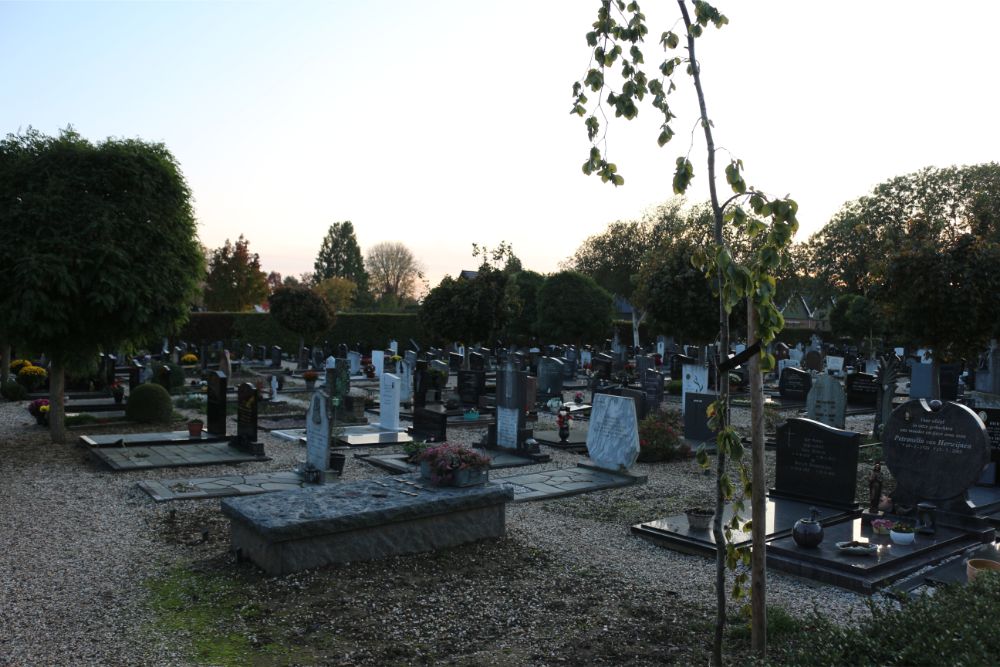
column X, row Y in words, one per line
column 340, row 256
column 676, row 295
column 300, row 310
column 393, row 271
column 338, row 292
column 107, row 250
column 235, row 281
column 573, row 308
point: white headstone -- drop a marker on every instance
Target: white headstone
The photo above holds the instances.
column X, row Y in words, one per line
column 225, row 365
column 274, row 387
column 394, row 346
column 378, row 361
column 900, row 351
column 871, row 366
column 835, row 364
column 694, row 380
column 586, row 357
column 405, row 380
column 507, row 420
column 613, row 436
column 318, row 434
column 661, row 348
column 795, row 354
column 354, row 358
column 331, row 362
column 389, row 387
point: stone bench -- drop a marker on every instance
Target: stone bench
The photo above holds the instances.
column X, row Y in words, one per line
column 289, row 531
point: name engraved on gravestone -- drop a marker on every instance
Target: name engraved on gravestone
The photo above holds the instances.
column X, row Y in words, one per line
column 934, row 454
column 508, row 424
column 826, row 401
column 216, row 404
column 318, row 434
column 816, row 462
column 696, row 425
column 991, row 419
column 613, row 435
column 862, row 389
column 794, row 384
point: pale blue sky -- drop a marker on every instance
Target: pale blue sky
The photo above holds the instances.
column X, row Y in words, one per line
column 440, row 124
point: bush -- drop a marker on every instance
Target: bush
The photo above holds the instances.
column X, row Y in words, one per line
column 674, row 388
column 32, row 377
column 150, row 404
column 17, row 365
column 661, row 437
column 176, row 374
column 12, row 391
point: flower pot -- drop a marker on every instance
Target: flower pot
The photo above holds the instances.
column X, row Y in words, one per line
column 699, row 519
column 975, row 566
column 808, row 533
column 901, row 538
column 194, row 429
column 470, row 477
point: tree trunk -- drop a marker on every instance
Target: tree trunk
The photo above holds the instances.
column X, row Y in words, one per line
column 758, row 506
column 57, row 402
column 4, row 362
column 636, row 321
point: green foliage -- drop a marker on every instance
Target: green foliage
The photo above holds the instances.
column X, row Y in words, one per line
column 340, row 256
column 301, row 310
column 675, row 387
column 661, row 437
column 573, row 308
column 470, row 310
column 676, row 295
column 13, row 391
column 955, row 626
column 96, row 218
column 177, row 377
column 235, row 281
column 523, row 324
column 855, row 316
column 149, row 404
column 370, row 329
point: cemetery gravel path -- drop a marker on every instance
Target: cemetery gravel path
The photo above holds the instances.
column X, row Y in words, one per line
column 78, row 542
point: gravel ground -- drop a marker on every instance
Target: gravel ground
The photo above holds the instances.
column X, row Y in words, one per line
column 567, row 584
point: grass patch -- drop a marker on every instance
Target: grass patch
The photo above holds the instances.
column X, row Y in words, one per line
column 211, row 612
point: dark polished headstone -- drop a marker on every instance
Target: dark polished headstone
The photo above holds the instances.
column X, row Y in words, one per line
column 934, row 454
column 246, row 420
column 652, row 385
column 430, row 425
column 639, row 398
column 550, row 377
column 471, row 385
column 477, row 362
column 948, row 381
column 862, row 389
column 816, row 463
column 695, row 418
column 794, row 384
column 216, row 405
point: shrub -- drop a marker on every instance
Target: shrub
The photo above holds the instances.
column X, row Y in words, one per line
column 189, row 359
column 12, row 391
column 32, row 377
column 445, row 459
column 674, row 388
column 17, row 365
column 661, row 437
column 149, row 403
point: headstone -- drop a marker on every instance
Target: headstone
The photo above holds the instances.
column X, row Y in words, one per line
column 510, row 407
column 394, row 346
column 276, row 356
column 530, row 393
column 871, row 366
column 948, row 381
column 586, row 357
column 677, row 363
column 601, row 366
column 795, row 354
column 835, row 364
column 639, row 398
column 477, row 362
column 216, row 405
column 694, row 380
column 354, row 359
column 696, row 425
column 826, row 401
column 303, row 361
column 389, row 389
column 816, row 463
column 378, row 361
column 862, row 388
column 430, row 425
column 338, row 379
column 405, row 381
column 455, row 361
column 652, row 385
column 135, row 370
column 246, row 420
column 318, row 438
column 813, row 360
column 471, row 385
column 613, row 435
column 274, row 389
column 225, row 364
column 794, row 384
column 550, row 377
column 920, row 381
column 317, row 358
column 248, row 352
column 935, row 452
column 163, row 377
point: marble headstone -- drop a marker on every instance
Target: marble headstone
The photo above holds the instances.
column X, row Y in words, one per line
column 389, row 389
column 826, row 401
column 354, row 359
column 613, row 436
column 318, row 434
column 378, row 361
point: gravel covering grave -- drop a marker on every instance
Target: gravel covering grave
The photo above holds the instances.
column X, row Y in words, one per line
column 94, row 572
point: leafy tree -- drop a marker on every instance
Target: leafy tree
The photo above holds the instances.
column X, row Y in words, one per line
column 394, row 273
column 302, row 311
column 523, row 324
column 856, row 317
column 107, row 248
column 470, row 310
column 274, row 281
column 339, row 293
column 340, row 257
column 676, row 295
column 235, row 281
column 767, row 229
column 572, row 307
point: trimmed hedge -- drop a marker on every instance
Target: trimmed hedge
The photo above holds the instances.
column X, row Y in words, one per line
column 370, row 329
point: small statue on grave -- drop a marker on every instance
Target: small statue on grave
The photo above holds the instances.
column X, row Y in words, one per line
column 875, row 488
column 562, row 421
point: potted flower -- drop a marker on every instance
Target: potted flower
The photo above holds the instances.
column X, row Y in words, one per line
column 117, row 391
column 578, row 397
column 699, row 517
column 194, row 428
column 31, row 377
column 881, row 526
column 189, row 359
column 39, row 409
column 413, row 450
column 453, row 465
column 901, row 533
column 310, row 377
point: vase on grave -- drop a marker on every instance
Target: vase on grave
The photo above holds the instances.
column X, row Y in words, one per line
column 808, row 532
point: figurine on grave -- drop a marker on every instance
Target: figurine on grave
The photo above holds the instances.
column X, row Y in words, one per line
column 875, row 488
column 562, row 421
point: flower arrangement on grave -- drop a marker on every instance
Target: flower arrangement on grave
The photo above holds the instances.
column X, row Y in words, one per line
column 439, row 378
column 413, row 450
column 446, row 461
column 310, row 376
column 35, row 407
column 661, row 437
column 901, row 527
column 189, row 359
column 32, row 376
column 117, row 391
column 578, row 397
column 395, row 358
column 17, row 365
column 881, row 526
